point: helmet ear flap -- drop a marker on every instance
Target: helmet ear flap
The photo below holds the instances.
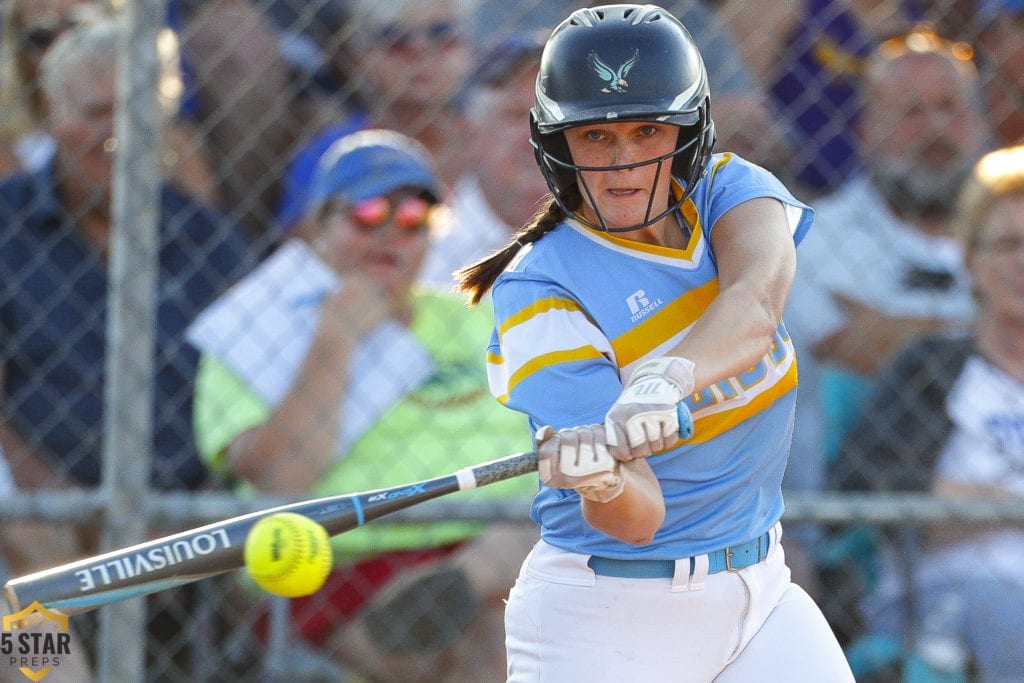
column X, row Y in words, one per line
column 535, row 142
column 698, row 140
column 548, row 150
column 682, row 164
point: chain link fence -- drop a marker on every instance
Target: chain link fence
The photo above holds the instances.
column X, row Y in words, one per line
column 230, row 102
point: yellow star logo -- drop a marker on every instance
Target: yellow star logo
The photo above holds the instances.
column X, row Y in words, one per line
column 50, row 637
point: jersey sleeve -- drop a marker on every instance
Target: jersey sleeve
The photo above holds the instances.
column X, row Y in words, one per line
column 732, row 180
column 547, row 358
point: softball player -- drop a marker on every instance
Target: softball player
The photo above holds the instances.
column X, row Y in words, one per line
column 642, row 303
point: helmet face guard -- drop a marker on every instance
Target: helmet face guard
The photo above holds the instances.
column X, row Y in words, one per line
column 621, row 63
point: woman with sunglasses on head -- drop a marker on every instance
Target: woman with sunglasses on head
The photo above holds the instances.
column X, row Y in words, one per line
column 326, row 372
column 637, row 324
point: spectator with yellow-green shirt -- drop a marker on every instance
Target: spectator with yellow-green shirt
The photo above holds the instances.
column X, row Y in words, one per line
column 325, row 371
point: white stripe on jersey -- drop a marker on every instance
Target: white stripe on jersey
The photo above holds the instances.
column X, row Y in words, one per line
column 552, row 330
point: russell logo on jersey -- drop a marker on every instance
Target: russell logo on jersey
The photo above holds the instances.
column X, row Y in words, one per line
column 640, row 305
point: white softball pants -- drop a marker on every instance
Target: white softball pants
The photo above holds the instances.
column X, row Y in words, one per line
column 565, row 623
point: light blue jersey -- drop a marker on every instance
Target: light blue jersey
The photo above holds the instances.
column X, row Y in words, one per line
column 580, row 309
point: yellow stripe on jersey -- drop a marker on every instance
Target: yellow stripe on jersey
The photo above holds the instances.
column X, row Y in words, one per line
column 633, row 245
column 664, row 324
column 539, row 332
column 726, row 158
column 690, row 215
column 692, row 218
column 551, row 303
column 710, row 426
column 546, row 360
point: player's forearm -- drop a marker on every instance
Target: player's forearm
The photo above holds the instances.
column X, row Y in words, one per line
column 756, row 266
column 731, row 337
column 637, row 513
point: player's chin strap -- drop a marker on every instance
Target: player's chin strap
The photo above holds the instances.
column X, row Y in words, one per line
column 681, row 190
column 602, row 225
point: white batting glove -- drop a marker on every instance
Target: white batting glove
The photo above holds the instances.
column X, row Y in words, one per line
column 578, row 459
column 649, row 416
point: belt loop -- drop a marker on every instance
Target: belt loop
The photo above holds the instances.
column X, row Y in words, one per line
column 699, row 573
column 681, row 576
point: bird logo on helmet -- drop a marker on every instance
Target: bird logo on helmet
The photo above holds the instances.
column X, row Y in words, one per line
column 671, row 87
column 614, row 79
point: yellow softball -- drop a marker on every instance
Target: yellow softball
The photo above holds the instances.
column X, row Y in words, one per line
column 288, row 554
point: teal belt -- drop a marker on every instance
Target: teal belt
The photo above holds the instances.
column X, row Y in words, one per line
column 731, row 559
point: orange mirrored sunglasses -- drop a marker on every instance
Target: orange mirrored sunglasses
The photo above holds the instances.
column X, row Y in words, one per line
column 410, row 214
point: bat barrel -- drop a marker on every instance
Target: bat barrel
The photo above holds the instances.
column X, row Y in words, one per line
column 188, row 556
column 146, row 568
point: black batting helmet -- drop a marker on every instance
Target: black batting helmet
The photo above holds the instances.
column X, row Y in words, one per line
column 621, row 63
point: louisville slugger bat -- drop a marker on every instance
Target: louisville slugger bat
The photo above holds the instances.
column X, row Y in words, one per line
column 218, row 548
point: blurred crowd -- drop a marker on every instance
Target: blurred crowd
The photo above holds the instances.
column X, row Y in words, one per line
column 328, row 164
